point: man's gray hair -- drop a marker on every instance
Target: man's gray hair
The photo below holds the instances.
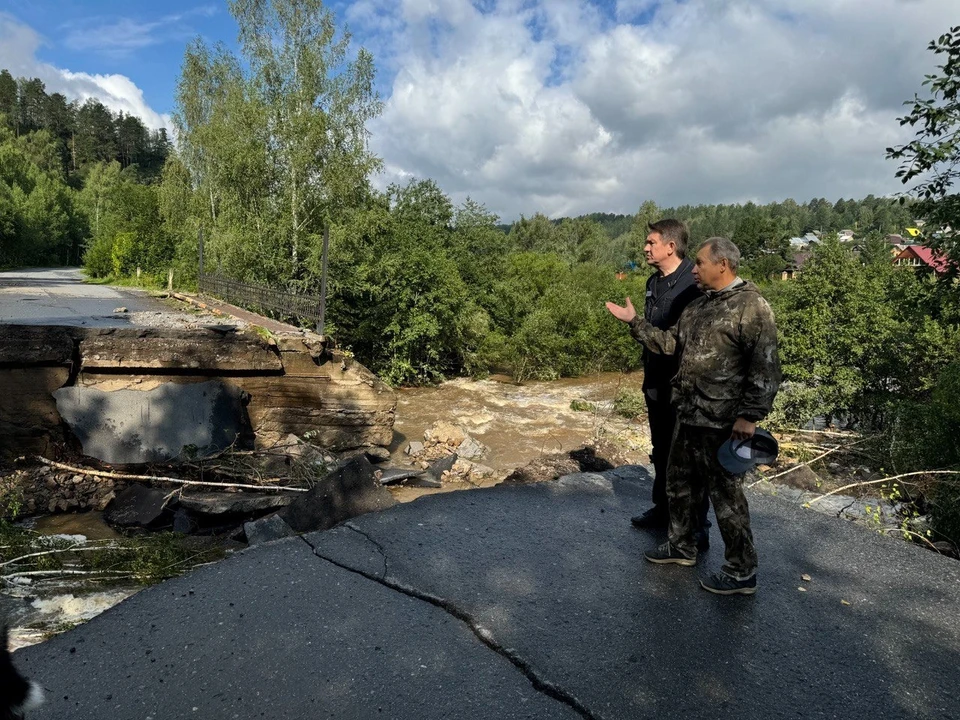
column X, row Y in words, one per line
column 723, row 249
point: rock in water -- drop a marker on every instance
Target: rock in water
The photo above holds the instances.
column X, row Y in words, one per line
column 345, row 493
column 472, row 449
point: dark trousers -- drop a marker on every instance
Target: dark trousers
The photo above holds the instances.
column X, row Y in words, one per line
column 663, row 420
column 694, row 474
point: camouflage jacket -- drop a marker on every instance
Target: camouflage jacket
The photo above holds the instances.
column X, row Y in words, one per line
column 727, row 345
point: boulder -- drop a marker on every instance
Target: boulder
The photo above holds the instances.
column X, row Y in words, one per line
column 272, row 527
column 472, row 449
column 138, row 507
column 444, row 433
column 803, row 478
column 345, row 493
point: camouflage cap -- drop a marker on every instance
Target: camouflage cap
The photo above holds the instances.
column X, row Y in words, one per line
column 738, row 456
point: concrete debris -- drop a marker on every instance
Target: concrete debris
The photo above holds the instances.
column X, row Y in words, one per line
column 272, row 527
column 345, row 493
column 159, row 425
column 139, row 507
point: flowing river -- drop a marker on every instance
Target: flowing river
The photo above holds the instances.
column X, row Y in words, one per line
column 520, row 422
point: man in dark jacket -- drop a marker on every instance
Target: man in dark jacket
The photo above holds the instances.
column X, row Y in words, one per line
column 669, row 290
column 728, row 376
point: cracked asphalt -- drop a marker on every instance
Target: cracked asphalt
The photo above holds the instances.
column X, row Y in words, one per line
column 525, row 602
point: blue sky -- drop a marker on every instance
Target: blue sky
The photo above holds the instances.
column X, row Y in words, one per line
column 142, row 41
column 562, row 106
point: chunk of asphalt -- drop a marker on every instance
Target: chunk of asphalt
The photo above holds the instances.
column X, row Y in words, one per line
column 272, row 527
column 439, row 467
column 349, row 491
column 392, row 476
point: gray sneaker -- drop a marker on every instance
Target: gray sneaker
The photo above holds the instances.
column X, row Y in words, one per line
column 722, row 584
column 666, row 554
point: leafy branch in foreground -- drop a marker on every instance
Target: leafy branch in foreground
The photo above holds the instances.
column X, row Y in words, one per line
column 932, row 158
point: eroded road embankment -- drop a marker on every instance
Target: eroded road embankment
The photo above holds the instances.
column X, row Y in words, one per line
column 525, row 601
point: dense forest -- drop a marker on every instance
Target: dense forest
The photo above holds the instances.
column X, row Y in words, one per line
column 273, row 148
column 66, row 168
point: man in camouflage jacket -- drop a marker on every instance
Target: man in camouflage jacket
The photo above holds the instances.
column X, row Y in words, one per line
column 728, row 377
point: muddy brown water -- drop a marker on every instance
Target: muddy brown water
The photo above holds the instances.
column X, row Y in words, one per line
column 520, row 422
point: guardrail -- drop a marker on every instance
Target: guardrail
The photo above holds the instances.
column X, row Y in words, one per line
column 267, row 301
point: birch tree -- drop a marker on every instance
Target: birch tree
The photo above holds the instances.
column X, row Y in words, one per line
column 277, row 137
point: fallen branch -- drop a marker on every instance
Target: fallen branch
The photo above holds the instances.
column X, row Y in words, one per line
column 808, row 462
column 72, row 548
column 841, row 433
column 57, row 573
column 161, row 478
column 883, row 480
column 912, row 533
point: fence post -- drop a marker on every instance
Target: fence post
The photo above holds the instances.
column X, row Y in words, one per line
column 200, row 270
column 323, row 282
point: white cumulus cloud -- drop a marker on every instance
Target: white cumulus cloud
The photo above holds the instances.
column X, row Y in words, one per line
column 558, row 107
column 18, row 54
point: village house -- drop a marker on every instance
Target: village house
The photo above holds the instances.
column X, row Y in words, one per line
column 923, row 258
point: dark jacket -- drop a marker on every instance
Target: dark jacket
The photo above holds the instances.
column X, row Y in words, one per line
column 728, row 361
column 665, row 301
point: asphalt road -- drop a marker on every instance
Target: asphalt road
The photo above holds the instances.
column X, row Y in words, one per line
column 525, row 602
column 58, row 296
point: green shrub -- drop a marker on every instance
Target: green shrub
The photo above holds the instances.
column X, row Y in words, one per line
column 123, row 254
column 629, row 403
column 925, row 438
column 98, row 259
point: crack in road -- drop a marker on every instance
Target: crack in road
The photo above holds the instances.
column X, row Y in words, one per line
column 539, row 683
column 373, row 542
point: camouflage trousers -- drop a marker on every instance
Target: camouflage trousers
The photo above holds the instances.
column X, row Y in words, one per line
column 693, row 471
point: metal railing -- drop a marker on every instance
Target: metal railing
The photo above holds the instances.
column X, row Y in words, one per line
column 280, row 304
